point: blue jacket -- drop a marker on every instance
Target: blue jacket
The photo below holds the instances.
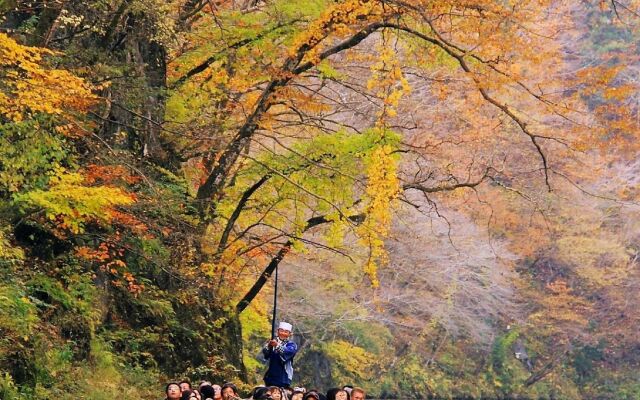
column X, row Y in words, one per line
column 280, row 358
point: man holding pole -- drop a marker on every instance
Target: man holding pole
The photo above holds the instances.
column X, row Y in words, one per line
column 280, row 352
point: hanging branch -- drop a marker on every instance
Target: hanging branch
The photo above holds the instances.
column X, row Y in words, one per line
column 273, row 264
column 217, row 179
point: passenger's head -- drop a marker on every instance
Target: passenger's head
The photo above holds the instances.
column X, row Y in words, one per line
column 337, row 394
column 275, row 392
column 207, row 392
column 297, row 395
column 185, row 385
column 229, row 390
column 198, row 395
column 172, row 390
column 312, row 395
column 188, row 395
column 284, row 330
column 358, row 394
column 218, row 392
column 261, row 393
column 342, row 395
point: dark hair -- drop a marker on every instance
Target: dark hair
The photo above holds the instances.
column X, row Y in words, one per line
column 186, row 395
column 283, row 394
column 185, row 381
column 207, row 391
column 331, row 393
column 166, row 388
column 260, row 392
column 314, row 394
column 230, row 385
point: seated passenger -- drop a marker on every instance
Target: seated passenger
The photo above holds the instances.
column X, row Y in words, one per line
column 172, row 391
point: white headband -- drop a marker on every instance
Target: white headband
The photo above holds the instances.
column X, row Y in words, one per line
column 286, row 326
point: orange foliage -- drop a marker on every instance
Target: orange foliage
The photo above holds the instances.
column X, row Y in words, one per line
column 108, row 257
column 563, row 314
column 130, row 222
column 109, row 174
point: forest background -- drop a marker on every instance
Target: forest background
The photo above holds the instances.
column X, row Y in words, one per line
column 448, row 187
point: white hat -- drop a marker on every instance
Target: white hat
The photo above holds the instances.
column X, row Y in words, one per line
column 286, row 326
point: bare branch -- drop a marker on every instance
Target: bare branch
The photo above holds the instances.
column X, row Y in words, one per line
column 273, row 264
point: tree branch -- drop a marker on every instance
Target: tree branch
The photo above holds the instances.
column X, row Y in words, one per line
column 444, row 188
column 215, row 182
column 284, row 250
column 546, row 369
column 453, row 52
column 217, row 56
column 236, row 213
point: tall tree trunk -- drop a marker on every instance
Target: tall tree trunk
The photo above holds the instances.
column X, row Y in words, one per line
column 153, row 57
column 46, row 23
column 130, row 43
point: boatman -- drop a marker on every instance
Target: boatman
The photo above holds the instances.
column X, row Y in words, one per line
column 280, row 352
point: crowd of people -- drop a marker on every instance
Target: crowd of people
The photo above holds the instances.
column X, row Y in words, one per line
column 207, row 391
column 278, row 352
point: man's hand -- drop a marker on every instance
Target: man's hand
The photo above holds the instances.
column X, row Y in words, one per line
column 273, row 343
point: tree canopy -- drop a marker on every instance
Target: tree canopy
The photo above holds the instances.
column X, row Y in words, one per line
column 447, row 187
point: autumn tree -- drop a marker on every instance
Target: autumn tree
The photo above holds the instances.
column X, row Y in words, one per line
column 257, row 133
column 506, row 130
column 308, row 90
